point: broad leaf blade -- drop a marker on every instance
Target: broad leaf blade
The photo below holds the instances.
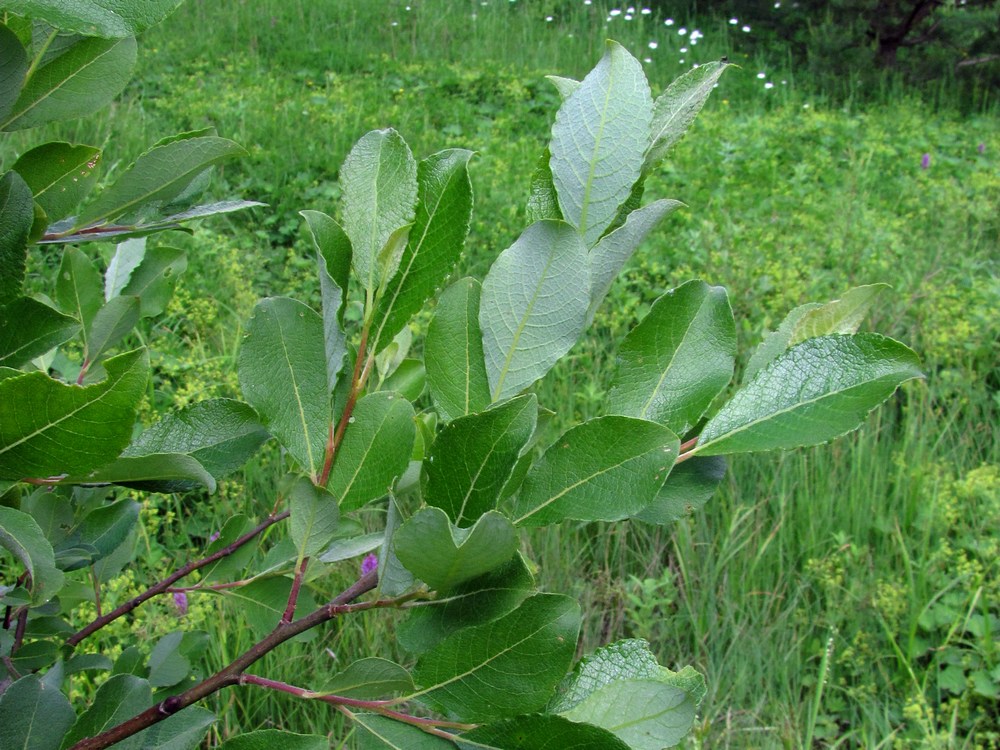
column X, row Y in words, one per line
column 116, row 318
column 282, row 371
column 543, row 203
column 118, row 699
column 379, row 184
column 23, row 538
column 155, row 279
column 473, row 456
column 689, row 486
column 34, row 715
column 152, row 472
column 367, row 679
column 128, row 255
column 677, row 107
column 97, row 17
column 17, row 213
column 269, row 739
column 80, row 81
column 443, row 556
column 60, row 175
column 534, row 306
column 506, row 667
column 453, row 352
column 539, row 732
column 29, row 328
column 79, row 290
column 375, row 451
column 333, row 254
column 375, row 732
column 599, row 139
column 814, row 392
column 678, row 359
column 606, row 469
column 314, row 517
column 436, row 240
column 14, row 64
column 42, row 420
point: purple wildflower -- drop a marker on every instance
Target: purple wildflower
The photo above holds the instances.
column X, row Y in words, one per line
column 181, row 603
column 981, row 148
column 925, row 161
column 214, row 536
column 369, row 564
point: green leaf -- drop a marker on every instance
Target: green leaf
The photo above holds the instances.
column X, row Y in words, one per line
column 60, row 175
column 473, row 456
column 221, row 434
column 42, row 420
column 621, row 660
column 505, row 667
column 116, row 318
column 472, row 602
column 375, row 450
column 159, row 176
column 262, row 604
column 443, row 555
column 345, row 549
column 79, row 290
column 151, row 472
column 599, row 140
column 367, row 679
column 183, row 730
column 605, row 469
column 29, row 328
column 811, row 320
column 534, row 306
column 379, row 185
column 543, row 203
column 812, row 393
column 155, row 279
column 615, row 248
column 17, row 213
column 269, row 739
column 393, row 577
column 52, row 511
column 14, row 64
column 678, row 359
column 235, row 527
column 314, row 517
column 167, row 665
column 689, row 486
column 375, row 732
column 114, row 18
column 118, row 699
column 104, row 528
column 408, row 380
column 677, row 107
column 453, row 352
column 333, row 253
column 33, row 715
column 436, row 239
column 539, row 732
column 128, row 255
column 282, row 371
column 645, row 713
column 77, row 83
column 565, row 86
column 23, row 538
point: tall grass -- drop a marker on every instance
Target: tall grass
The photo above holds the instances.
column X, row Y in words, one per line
column 863, row 563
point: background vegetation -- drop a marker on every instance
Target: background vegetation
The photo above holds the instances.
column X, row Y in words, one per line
column 844, row 596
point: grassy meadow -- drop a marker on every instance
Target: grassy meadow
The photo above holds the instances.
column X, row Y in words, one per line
column 842, row 596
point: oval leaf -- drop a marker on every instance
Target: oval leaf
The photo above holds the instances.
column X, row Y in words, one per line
column 29, row 328
column 60, row 175
column 314, row 517
column 539, row 732
column 17, row 213
column 34, row 715
column 23, row 538
column 97, row 17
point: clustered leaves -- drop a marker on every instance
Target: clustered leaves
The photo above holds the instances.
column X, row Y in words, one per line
column 447, row 436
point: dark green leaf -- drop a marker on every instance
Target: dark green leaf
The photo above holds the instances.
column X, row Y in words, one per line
column 234, row 528
column 117, row 18
column 29, row 328
column 314, row 517
column 812, row 393
column 442, row 555
column 367, row 679
column 33, row 715
column 539, row 732
column 118, row 699
column 262, row 604
column 505, row 667
column 606, row 469
column 80, row 81
column 184, row 730
column 17, row 213
column 153, row 472
column 105, row 527
column 22, row 537
column 393, row 577
column 376, row 732
column 79, row 290
column 333, row 249
column 60, row 175
column 272, row 739
column 14, row 66
column 473, row 456
column 689, row 486
column 154, row 280
column 678, row 359
column 453, row 352
column 167, row 665
column 111, row 324
column 42, row 421
column 408, row 380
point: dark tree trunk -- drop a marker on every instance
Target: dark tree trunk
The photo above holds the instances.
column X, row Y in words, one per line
column 896, row 24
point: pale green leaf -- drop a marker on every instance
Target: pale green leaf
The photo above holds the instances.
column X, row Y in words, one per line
column 17, row 214
column 151, row 472
column 379, row 185
column 506, row 667
column 262, row 604
column 314, row 517
column 678, row 359
column 775, row 343
column 599, row 139
column 333, row 251
column 435, row 244
column 167, row 664
column 393, row 577
column 158, row 176
column 34, row 716
column 375, row 450
column 534, row 306
column 646, row 714
column 49, row 428
column 543, row 203
column 472, row 457
column 282, row 371
column 80, row 81
column 345, row 549
column 621, row 660
column 128, row 255
column 106, row 18
column 453, row 352
column 153, row 282
column 812, row 393
column 367, row 679
column 79, row 290
column 614, row 249
column 677, row 107
column 29, row 328
column 443, row 555
column 116, row 318
column 23, row 538
column 565, row 86
column 605, row 469
column 60, row 175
